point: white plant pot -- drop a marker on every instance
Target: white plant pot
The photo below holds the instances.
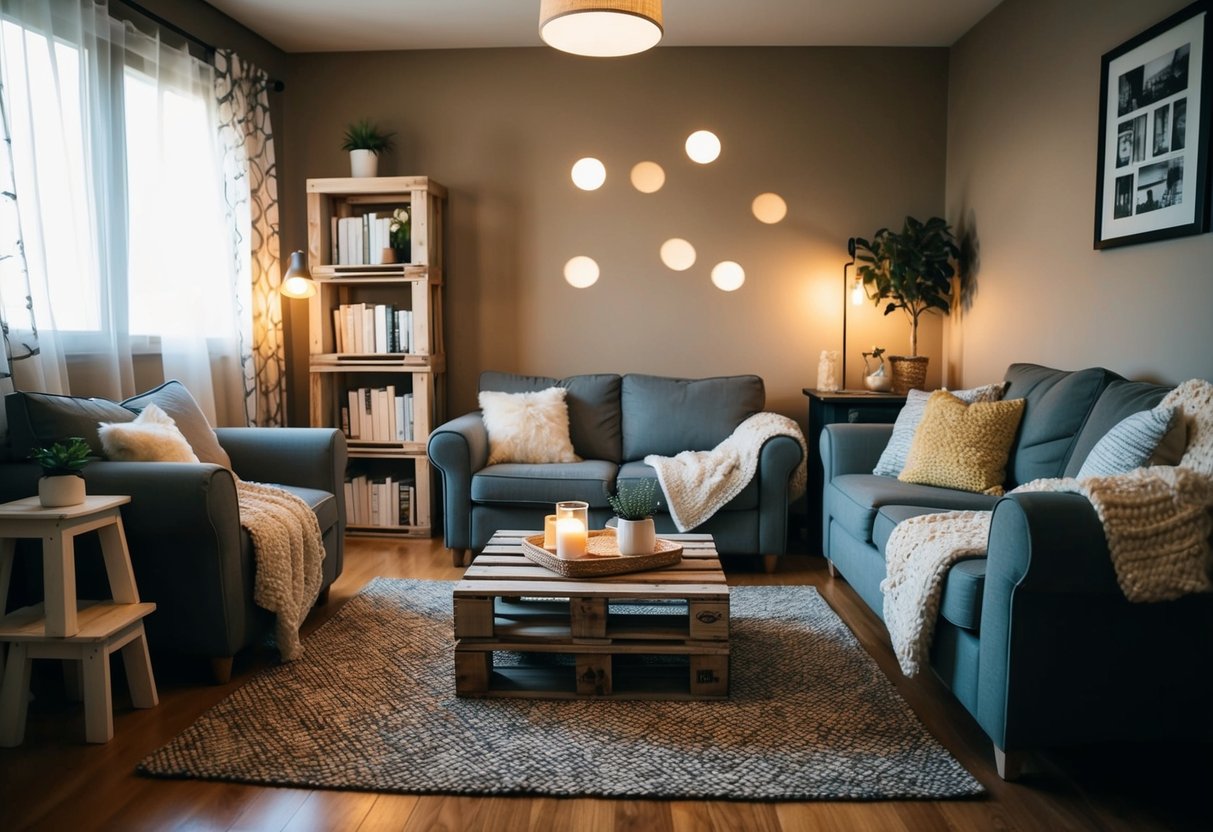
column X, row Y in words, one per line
column 636, row 537
column 364, row 163
column 57, row 492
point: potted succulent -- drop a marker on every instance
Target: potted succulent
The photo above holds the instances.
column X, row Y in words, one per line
column 62, row 484
column 634, row 505
column 912, row 270
column 365, row 142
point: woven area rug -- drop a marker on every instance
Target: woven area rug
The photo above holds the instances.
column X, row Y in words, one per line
column 371, row 706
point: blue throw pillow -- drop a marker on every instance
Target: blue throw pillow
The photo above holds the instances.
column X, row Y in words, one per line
column 1130, row 443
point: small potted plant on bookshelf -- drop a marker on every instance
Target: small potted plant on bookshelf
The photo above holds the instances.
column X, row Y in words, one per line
column 365, row 142
column 62, row 484
column 634, row 504
column 398, row 236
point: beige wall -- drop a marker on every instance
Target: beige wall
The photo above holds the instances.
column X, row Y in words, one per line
column 1022, row 122
column 851, row 138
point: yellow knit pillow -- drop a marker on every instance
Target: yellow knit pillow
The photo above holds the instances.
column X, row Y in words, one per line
column 963, row 446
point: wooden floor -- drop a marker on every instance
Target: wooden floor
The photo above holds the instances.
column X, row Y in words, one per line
column 57, row 782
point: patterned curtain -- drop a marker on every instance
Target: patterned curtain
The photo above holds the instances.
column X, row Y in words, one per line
column 17, row 327
column 251, row 190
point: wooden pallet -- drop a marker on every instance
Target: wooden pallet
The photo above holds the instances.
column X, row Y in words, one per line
column 522, row 630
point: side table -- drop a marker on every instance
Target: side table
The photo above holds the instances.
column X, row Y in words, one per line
column 61, row 627
column 831, row 408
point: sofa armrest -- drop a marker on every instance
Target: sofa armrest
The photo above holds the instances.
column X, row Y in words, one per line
column 776, row 463
column 306, row 457
column 458, row 449
column 848, row 448
column 183, row 529
column 1063, row 655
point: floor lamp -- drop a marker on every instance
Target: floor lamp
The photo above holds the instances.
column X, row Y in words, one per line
column 854, row 299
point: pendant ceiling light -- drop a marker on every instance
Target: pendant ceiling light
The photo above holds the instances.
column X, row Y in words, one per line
column 600, row 28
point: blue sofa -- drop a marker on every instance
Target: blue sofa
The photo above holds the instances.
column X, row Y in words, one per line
column 1036, row 640
column 614, row 422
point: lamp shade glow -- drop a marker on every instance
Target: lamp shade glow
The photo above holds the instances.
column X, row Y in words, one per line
column 589, row 174
column 703, row 146
column 600, row 28
column 297, row 282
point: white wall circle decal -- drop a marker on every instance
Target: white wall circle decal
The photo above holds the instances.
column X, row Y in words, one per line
column 678, row 254
column 728, row 276
column 589, row 173
column 581, row 272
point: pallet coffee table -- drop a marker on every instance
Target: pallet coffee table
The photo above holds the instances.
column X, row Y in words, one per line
column 522, row 630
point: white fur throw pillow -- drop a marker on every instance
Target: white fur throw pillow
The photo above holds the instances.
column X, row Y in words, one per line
column 152, row 437
column 528, row 427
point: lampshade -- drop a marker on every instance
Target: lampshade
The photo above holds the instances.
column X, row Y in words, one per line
column 297, row 282
column 600, row 28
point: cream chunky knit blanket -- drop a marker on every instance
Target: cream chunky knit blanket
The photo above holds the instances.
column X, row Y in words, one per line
column 697, row 484
column 1156, row 520
column 289, row 552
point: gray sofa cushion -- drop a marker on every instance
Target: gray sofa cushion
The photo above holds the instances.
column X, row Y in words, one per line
column 669, row 415
column 523, row 484
column 1057, row 405
column 322, row 503
column 854, row 499
column 39, row 419
column 747, row 500
column 1120, row 399
column 595, row 426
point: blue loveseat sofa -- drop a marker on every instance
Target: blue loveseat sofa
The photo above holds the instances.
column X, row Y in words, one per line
column 614, row 422
column 1036, row 640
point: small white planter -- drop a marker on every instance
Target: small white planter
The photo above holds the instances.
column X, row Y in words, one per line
column 364, row 163
column 57, row 492
column 636, row 537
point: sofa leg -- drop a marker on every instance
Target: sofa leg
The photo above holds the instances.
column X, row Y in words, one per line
column 1009, row 765
column 830, row 565
column 459, row 557
column 221, row 669
column 769, row 562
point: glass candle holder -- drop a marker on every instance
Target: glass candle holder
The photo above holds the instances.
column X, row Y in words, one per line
column 572, row 528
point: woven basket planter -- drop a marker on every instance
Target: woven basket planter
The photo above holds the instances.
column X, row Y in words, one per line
column 909, row 372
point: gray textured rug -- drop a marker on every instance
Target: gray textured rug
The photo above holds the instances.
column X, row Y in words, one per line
column 372, row 706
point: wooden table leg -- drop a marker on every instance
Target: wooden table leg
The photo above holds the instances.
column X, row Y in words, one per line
column 98, row 701
column 59, row 579
column 14, row 696
column 118, row 562
column 139, row 671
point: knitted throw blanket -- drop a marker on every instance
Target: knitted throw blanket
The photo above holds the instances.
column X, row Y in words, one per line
column 1156, row 520
column 289, row 551
column 697, row 484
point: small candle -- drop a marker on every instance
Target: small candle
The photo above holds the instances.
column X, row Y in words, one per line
column 549, row 532
column 570, row 538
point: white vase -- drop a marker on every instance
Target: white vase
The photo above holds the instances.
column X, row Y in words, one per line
column 636, row 537
column 364, row 163
column 60, row 491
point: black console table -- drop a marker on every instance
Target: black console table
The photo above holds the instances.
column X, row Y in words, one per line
column 830, row 408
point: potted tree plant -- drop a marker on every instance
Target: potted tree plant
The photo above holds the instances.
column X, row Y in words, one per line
column 365, row 142
column 62, row 484
column 913, row 271
column 634, row 504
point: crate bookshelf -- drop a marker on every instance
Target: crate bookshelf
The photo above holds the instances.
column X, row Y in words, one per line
column 336, row 364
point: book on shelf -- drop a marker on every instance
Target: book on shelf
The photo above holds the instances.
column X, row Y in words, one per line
column 360, row 240
column 381, row 502
column 373, row 329
column 378, row 414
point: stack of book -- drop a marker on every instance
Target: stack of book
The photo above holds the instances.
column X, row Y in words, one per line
column 360, row 241
column 378, row 414
column 380, row 501
column 362, row 328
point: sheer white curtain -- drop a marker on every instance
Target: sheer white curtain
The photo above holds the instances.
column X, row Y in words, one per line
column 119, row 192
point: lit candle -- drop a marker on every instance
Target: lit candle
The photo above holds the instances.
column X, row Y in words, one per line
column 549, row 532
column 570, row 538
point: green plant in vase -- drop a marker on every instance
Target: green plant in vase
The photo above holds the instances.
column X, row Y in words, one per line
column 634, row 503
column 912, row 270
column 62, row 482
column 365, row 141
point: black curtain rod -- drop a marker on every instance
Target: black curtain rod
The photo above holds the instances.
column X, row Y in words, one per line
column 274, row 84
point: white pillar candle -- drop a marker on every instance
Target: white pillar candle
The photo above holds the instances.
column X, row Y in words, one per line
column 549, row 532
column 570, row 538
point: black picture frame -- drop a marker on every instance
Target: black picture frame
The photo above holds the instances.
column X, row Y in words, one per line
column 1156, row 98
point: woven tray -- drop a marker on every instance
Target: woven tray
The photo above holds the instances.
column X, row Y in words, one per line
column 602, row 556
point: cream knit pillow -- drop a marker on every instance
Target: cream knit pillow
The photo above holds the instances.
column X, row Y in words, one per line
column 893, row 457
column 528, row 427
column 963, row 446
